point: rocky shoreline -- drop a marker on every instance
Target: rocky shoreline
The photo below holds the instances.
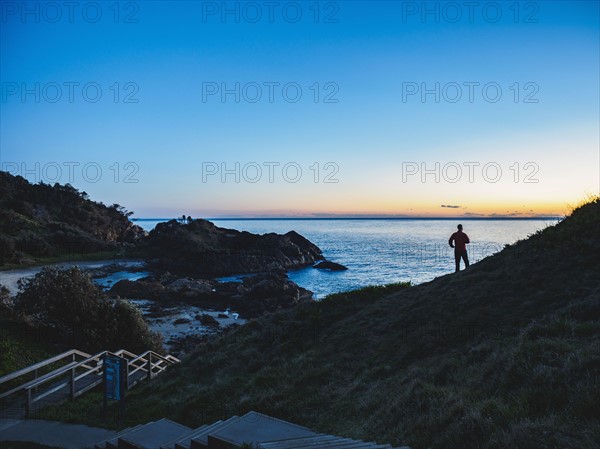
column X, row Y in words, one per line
column 252, row 296
column 177, row 263
column 183, row 326
column 188, row 311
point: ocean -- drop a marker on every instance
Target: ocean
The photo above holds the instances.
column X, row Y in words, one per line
column 383, row 251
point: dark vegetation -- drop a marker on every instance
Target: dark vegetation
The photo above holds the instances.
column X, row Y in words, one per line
column 22, row 345
column 505, row 354
column 69, row 306
column 39, row 222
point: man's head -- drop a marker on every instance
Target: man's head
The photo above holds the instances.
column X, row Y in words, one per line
column 459, row 227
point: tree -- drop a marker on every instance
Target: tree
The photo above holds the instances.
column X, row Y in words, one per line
column 129, row 330
column 63, row 299
column 69, row 302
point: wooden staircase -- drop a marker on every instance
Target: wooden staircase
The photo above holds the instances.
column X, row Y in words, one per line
column 71, row 374
column 68, row 376
column 252, row 429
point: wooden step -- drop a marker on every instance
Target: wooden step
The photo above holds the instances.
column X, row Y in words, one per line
column 112, row 443
column 255, row 427
column 153, row 435
column 200, row 441
column 184, row 443
column 321, row 442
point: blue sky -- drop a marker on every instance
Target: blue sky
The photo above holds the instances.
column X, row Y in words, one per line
column 148, row 127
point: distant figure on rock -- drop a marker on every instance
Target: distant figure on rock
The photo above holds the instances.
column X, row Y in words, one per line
column 459, row 241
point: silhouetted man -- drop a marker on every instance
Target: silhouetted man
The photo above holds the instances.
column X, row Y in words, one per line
column 459, row 241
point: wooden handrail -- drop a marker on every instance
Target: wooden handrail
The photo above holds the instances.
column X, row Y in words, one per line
column 120, row 352
column 140, row 363
column 150, row 362
column 141, row 356
column 40, row 380
column 63, row 370
column 158, row 356
column 41, row 364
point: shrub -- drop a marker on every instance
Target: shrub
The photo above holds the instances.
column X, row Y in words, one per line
column 129, row 330
column 5, row 298
column 69, row 302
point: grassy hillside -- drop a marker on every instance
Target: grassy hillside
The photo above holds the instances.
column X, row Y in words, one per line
column 21, row 346
column 505, row 354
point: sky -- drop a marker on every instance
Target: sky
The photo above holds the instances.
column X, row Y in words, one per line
column 333, row 108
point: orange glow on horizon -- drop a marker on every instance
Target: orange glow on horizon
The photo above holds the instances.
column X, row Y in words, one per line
column 471, row 211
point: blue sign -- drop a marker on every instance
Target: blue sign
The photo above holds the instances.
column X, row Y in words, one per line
column 112, row 377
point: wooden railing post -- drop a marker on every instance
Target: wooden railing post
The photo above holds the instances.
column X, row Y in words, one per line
column 149, row 366
column 72, row 385
column 126, row 373
column 28, row 404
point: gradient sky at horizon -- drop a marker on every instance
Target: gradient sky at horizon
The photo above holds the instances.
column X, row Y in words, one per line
column 374, row 140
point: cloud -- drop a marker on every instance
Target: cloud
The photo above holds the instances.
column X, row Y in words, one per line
column 451, row 206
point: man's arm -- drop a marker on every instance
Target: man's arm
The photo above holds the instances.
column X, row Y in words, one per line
column 467, row 237
column 450, row 241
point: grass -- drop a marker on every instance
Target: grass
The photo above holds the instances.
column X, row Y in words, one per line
column 20, row 346
column 121, row 253
column 87, row 408
column 505, row 354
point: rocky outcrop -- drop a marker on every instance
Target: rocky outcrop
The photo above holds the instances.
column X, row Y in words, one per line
column 200, row 248
column 132, row 234
column 207, row 320
column 327, row 265
column 250, row 297
column 267, row 293
column 191, row 287
column 140, row 289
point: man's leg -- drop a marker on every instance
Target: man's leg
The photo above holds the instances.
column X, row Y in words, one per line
column 457, row 261
column 465, row 257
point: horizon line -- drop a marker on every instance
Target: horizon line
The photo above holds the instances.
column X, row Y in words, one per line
column 487, row 217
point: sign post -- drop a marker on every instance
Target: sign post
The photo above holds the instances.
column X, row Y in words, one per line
column 115, row 379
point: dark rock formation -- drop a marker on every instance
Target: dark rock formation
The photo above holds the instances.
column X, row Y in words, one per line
column 267, row 293
column 198, row 247
column 327, row 265
column 140, row 289
column 207, row 320
column 191, row 288
column 252, row 297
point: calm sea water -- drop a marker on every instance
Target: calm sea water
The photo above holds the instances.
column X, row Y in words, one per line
column 382, row 251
